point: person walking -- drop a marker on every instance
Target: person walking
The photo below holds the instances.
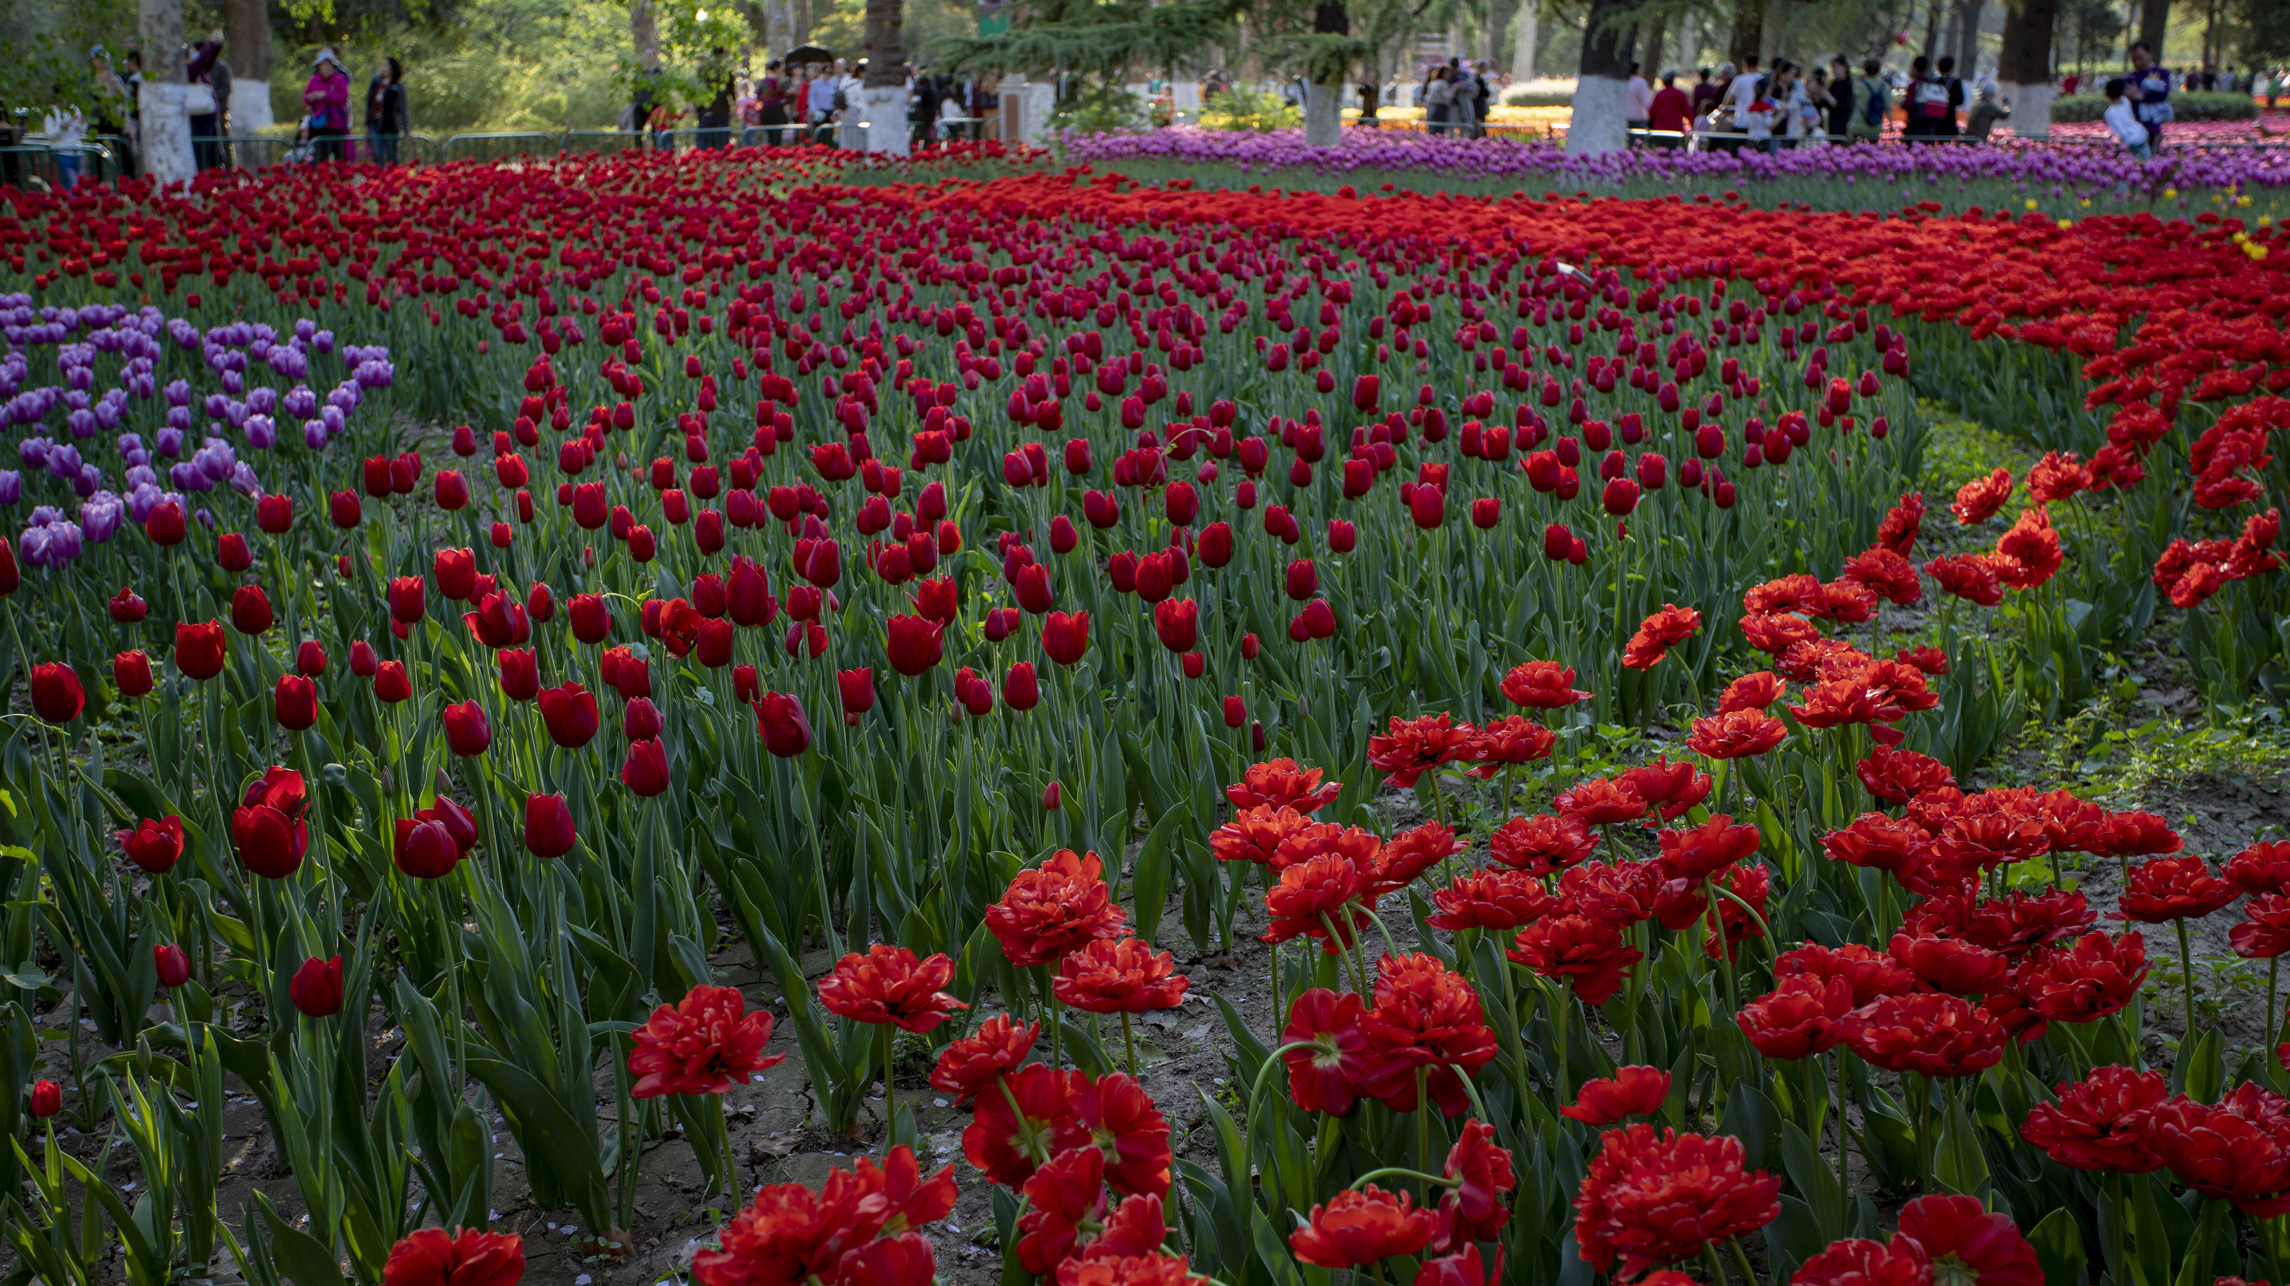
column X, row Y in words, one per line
column 715, row 119
column 1945, row 72
column 1841, row 99
column 1670, row 112
column 386, row 112
column 207, row 96
column 2148, row 87
column 327, row 100
column 66, row 129
column 1871, row 104
column 1638, row 109
column 1745, row 90
column 771, row 103
column 1927, row 101
column 1707, row 93
column 1438, row 102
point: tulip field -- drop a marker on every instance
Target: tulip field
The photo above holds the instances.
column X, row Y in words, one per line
column 737, row 719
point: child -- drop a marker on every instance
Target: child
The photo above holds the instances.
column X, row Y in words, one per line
column 2124, row 121
column 1758, row 121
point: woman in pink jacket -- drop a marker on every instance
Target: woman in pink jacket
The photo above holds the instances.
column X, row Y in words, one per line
column 327, row 100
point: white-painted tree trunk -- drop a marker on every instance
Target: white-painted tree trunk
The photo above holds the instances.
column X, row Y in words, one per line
column 1523, row 43
column 2031, row 109
column 250, row 106
column 882, row 108
column 778, row 27
column 166, row 132
column 1601, row 121
column 1324, row 114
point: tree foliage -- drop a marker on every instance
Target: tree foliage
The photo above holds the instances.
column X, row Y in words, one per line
column 1101, row 39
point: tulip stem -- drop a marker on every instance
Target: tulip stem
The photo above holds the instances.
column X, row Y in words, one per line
column 2115, row 1229
column 1741, row 1258
column 1423, row 1125
column 1844, row 1134
column 2187, row 986
column 890, row 1089
column 1401, row 1171
column 1717, row 1267
column 1129, row 1041
column 2273, row 972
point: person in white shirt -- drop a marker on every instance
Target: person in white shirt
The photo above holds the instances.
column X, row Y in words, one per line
column 1743, row 92
column 1640, row 107
column 854, row 139
column 2124, row 120
column 66, row 128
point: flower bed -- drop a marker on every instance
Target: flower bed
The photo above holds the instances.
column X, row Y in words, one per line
column 951, row 593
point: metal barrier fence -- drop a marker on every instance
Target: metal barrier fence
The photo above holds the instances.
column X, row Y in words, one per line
column 20, row 165
column 499, row 147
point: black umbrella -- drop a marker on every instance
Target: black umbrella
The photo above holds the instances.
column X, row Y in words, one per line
column 802, row 54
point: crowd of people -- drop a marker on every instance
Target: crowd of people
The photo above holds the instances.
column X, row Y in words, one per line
column 815, row 102
column 812, row 99
column 1786, row 105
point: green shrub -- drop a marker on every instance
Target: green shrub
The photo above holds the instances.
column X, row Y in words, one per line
column 1251, row 111
column 1106, row 109
column 2083, row 108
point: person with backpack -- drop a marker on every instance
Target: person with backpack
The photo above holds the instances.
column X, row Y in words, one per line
column 1927, row 101
column 1945, row 72
column 1870, row 104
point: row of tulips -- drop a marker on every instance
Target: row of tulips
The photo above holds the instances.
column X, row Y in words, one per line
column 342, row 810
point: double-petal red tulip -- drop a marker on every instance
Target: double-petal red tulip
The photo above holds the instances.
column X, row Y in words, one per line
column 891, row 985
column 706, row 1043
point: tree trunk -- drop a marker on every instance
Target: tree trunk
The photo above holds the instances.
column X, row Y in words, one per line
column 1601, row 88
column 166, row 134
column 1932, row 30
column 883, row 100
column 1523, row 41
column 1952, row 35
column 1651, row 60
column 778, row 28
column 1968, row 38
column 1324, row 101
column 1499, row 15
column 2154, row 22
column 2024, row 70
column 1748, row 31
column 644, row 29
column 246, row 42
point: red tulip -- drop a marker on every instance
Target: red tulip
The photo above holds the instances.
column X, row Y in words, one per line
column 914, row 644
column 126, row 607
column 570, row 714
column 47, row 1099
column 56, row 693
column 1177, row 622
column 316, row 988
column 548, row 826
column 391, row 683
column 131, row 673
column 199, row 650
column 467, row 731
column 780, row 721
column 423, row 849
column 154, row 846
column 645, row 770
column 408, row 596
column 172, row 965
column 294, row 703
column 164, row 524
